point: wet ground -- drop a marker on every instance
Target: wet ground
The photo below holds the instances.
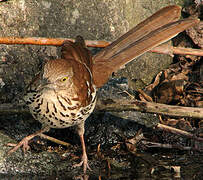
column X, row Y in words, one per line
column 159, row 165
column 111, row 155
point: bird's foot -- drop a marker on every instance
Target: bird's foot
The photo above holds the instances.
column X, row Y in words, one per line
column 23, row 143
column 85, row 164
column 81, row 177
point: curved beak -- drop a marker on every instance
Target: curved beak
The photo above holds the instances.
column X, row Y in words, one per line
column 46, row 84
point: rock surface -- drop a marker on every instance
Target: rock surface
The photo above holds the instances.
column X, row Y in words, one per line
column 92, row 19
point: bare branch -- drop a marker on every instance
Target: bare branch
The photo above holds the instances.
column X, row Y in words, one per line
column 170, row 50
column 151, row 107
column 177, row 131
column 132, row 105
column 48, row 41
column 128, row 105
column 162, row 49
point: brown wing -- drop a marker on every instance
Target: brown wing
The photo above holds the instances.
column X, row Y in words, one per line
column 77, row 51
column 81, row 61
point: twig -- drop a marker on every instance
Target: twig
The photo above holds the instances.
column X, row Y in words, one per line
column 162, row 49
column 8, row 108
column 54, row 140
column 170, row 50
column 177, row 131
column 48, row 41
column 167, row 146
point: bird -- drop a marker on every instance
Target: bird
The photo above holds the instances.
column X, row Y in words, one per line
column 64, row 92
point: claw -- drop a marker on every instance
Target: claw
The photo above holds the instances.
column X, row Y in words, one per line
column 85, row 164
column 23, row 143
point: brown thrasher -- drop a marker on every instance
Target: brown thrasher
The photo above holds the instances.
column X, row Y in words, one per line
column 64, row 92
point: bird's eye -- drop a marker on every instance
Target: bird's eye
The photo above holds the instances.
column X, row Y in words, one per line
column 64, row 79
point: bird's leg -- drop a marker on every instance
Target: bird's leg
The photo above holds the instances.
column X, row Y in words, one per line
column 25, row 140
column 84, row 159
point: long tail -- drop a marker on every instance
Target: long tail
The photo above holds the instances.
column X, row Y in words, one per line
column 160, row 27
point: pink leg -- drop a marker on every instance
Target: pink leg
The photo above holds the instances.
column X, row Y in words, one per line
column 84, row 159
column 24, row 141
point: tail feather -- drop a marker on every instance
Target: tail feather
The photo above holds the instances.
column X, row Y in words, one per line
column 138, row 41
column 160, row 18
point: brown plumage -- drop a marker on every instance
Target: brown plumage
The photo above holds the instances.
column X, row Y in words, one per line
column 64, row 92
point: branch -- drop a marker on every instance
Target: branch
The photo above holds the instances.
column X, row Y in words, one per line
column 177, row 131
column 167, row 146
column 133, row 105
column 151, row 107
column 170, row 50
column 8, row 108
column 162, row 49
column 128, row 105
column 48, row 41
